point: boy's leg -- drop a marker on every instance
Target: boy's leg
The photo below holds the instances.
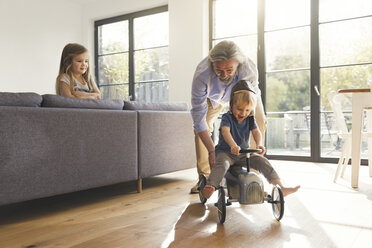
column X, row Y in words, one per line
column 202, row 161
column 263, row 165
column 223, row 162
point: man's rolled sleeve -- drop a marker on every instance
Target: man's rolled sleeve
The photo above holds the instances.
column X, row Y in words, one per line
column 199, row 105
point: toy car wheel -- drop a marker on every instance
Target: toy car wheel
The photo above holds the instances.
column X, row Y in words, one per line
column 277, row 201
column 221, row 205
column 202, row 183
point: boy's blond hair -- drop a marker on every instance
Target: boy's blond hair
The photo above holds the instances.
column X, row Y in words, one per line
column 242, row 98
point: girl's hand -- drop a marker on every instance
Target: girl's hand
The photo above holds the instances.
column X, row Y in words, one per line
column 235, row 150
column 263, row 150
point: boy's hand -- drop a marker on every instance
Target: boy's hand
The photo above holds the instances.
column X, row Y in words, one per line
column 235, row 150
column 263, row 150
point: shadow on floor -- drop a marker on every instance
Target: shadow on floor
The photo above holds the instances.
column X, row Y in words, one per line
column 33, row 209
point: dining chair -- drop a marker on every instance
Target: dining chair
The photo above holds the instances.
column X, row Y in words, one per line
column 335, row 101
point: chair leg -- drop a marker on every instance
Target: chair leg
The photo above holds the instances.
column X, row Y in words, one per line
column 347, row 147
column 341, row 161
column 346, row 162
column 344, row 159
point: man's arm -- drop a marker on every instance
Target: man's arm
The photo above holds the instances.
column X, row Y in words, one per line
column 256, row 133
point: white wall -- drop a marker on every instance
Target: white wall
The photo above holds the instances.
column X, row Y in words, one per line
column 188, row 35
column 188, row 44
column 33, row 34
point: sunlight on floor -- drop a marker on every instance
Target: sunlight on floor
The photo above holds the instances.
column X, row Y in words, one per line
column 171, row 235
column 321, row 214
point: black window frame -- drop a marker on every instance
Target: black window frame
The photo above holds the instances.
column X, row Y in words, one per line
column 130, row 18
column 315, row 68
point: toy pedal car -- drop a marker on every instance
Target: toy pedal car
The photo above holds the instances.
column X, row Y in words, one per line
column 246, row 187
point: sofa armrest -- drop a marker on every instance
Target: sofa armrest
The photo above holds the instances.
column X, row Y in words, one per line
column 165, row 141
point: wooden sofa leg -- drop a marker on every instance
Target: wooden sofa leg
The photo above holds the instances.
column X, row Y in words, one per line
column 139, row 185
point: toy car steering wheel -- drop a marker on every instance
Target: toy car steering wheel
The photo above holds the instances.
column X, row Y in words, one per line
column 250, row 150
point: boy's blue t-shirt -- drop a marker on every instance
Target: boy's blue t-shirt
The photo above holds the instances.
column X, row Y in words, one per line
column 239, row 132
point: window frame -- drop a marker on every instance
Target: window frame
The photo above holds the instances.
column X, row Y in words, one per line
column 315, row 69
column 131, row 63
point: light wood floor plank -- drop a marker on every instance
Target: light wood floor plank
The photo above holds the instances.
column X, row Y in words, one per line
column 322, row 214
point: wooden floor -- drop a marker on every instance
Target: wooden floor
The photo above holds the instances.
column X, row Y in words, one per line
column 322, row 214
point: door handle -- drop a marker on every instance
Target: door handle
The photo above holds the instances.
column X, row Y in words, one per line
column 316, row 90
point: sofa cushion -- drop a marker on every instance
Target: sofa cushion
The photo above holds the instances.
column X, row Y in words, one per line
column 22, row 99
column 173, row 106
column 56, row 101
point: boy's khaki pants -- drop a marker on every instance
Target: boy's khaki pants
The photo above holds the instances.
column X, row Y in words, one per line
column 202, row 161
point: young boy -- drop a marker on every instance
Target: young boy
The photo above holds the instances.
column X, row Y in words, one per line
column 236, row 126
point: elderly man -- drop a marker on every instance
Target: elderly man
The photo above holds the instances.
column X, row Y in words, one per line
column 211, row 87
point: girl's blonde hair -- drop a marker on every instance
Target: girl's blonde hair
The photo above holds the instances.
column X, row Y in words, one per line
column 242, row 98
column 69, row 52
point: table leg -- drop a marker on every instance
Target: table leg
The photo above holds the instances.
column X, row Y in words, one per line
column 356, row 137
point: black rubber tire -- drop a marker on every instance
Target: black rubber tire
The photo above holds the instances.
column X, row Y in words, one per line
column 202, row 183
column 277, row 201
column 221, row 205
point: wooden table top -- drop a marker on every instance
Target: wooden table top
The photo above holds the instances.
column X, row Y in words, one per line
column 354, row 90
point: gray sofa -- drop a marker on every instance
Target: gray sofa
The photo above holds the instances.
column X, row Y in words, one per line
column 52, row 145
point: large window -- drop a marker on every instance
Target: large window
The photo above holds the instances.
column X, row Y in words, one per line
column 236, row 20
column 345, row 39
column 287, row 63
column 132, row 56
column 303, row 49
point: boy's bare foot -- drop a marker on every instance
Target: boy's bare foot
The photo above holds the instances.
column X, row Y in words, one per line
column 288, row 191
column 208, row 191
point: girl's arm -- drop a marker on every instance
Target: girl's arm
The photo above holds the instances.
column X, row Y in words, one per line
column 96, row 91
column 87, row 95
column 65, row 91
column 234, row 148
column 256, row 133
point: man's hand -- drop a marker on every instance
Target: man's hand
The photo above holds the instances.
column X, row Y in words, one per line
column 211, row 159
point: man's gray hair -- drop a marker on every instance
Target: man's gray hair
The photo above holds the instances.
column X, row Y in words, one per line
column 226, row 50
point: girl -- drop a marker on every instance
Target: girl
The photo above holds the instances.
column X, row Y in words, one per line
column 234, row 135
column 74, row 79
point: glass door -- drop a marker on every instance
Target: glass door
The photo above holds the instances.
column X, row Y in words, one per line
column 345, row 39
column 287, row 76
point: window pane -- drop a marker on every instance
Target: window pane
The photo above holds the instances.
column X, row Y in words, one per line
column 151, row 64
column 151, row 31
column 288, row 49
column 248, row 45
column 288, row 113
column 113, row 38
column 156, row 91
column 113, row 69
column 346, row 42
column 115, row 92
column 286, row 13
column 330, row 10
column 345, row 77
column 234, row 17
